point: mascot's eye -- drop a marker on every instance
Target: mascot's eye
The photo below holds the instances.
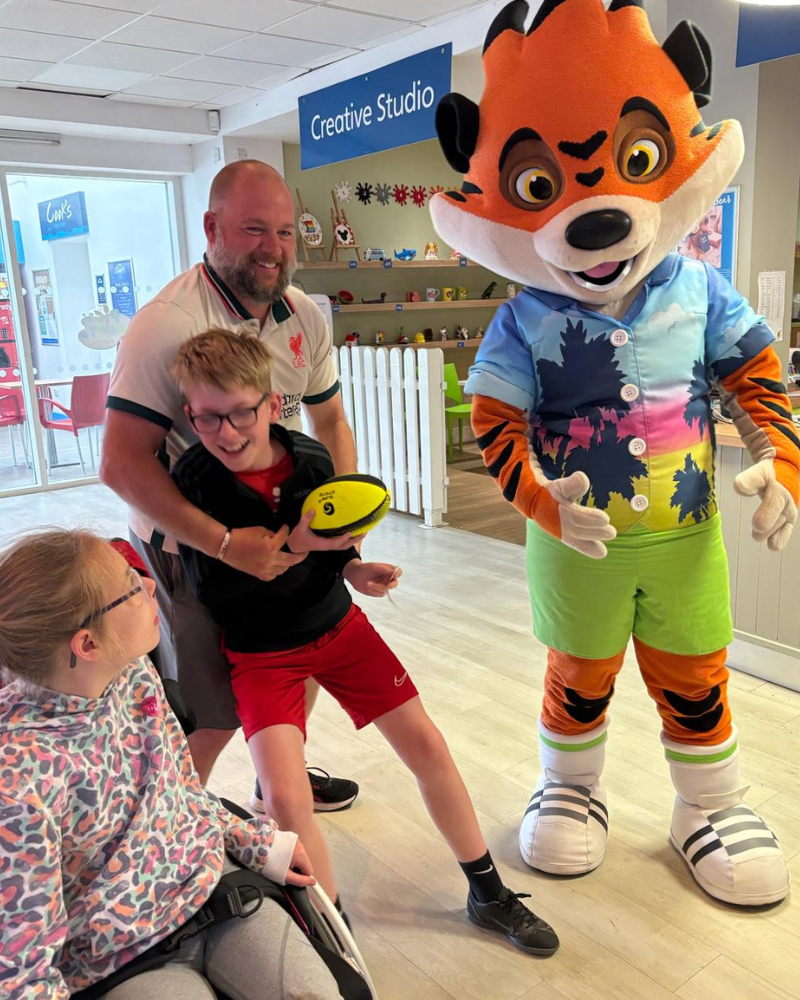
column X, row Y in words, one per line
column 535, row 185
column 642, row 158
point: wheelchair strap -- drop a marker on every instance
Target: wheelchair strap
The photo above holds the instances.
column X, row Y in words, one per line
column 240, row 894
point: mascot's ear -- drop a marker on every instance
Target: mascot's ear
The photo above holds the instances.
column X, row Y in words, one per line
column 511, row 18
column 457, row 121
column 688, row 48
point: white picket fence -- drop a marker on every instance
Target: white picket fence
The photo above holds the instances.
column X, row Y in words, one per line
column 394, row 403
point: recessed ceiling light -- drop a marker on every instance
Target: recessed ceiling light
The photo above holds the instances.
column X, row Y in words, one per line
column 772, row 3
column 18, row 135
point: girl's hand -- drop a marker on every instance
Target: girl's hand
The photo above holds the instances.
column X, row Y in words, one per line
column 303, row 539
column 300, row 870
column 373, row 579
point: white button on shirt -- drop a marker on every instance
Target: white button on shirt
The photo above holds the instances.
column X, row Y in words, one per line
column 637, row 446
column 619, row 338
column 629, row 393
column 640, row 502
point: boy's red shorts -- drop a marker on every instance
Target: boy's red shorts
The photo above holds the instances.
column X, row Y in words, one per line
column 351, row 662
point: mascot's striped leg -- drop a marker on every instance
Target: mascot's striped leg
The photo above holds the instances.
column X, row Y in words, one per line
column 728, row 848
column 565, row 825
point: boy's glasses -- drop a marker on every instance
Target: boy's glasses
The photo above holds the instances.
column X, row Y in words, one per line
column 210, row 423
column 137, row 587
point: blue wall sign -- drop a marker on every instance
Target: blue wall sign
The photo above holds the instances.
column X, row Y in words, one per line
column 714, row 238
column 100, row 283
column 120, row 284
column 20, row 247
column 389, row 107
column 63, row 217
column 767, row 33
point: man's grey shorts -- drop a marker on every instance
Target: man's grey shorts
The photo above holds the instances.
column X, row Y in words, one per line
column 189, row 650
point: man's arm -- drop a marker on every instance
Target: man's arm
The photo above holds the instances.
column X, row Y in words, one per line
column 329, row 426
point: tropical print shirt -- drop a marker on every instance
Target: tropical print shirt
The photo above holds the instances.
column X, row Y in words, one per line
column 627, row 402
column 108, row 841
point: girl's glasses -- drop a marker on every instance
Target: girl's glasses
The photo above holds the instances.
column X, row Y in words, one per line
column 241, row 418
column 136, row 588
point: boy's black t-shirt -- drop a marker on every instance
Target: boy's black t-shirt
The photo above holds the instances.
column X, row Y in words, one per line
column 299, row 606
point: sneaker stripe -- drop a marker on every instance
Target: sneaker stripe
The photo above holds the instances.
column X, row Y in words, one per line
column 748, row 824
column 733, row 811
column 751, row 845
column 556, row 811
column 558, row 797
column 599, row 805
column 697, row 835
column 600, row 819
column 714, row 845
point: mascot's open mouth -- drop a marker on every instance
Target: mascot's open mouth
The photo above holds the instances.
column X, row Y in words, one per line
column 603, row 276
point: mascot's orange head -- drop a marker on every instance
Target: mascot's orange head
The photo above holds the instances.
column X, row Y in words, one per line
column 587, row 160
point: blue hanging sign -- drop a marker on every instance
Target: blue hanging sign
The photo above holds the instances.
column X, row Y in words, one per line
column 714, row 239
column 63, row 217
column 120, row 284
column 20, row 247
column 389, row 107
column 100, row 283
column 767, row 33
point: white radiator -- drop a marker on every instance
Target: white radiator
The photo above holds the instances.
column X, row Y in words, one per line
column 394, row 403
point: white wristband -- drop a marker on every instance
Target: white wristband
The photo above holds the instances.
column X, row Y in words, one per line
column 224, row 546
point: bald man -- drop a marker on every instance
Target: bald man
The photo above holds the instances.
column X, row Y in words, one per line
column 242, row 285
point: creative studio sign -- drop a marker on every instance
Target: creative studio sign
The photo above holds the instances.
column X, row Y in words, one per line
column 389, row 107
column 64, row 216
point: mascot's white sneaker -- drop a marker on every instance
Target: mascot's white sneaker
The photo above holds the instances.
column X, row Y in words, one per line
column 565, row 826
column 729, row 849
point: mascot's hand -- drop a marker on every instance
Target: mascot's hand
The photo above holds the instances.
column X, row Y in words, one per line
column 584, row 529
column 777, row 512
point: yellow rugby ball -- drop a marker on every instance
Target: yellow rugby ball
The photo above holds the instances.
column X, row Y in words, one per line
column 347, row 505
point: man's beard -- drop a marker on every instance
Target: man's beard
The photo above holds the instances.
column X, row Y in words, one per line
column 238, row 274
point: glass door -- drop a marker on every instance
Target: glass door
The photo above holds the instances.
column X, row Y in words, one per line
column 91, row 251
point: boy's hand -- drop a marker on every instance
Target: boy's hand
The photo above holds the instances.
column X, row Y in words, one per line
column 373, row 579
column 303, row 539
column 300, row 871
column 257, row 551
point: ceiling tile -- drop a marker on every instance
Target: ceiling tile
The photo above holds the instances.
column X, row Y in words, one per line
column 135, row 58
column 409, row 10
column 153, row 101
column 282, row 51
column 179, row 90
column 337, row 27
column 178, row 36
column 250, row 15
column 236, row 72
column 20, row 70
column 53, row 18
column 94, row 77
column 136, row 6
column 234, row 97
column 276, row 79
column 393, row 36
column 33, row 45
column 321, row 61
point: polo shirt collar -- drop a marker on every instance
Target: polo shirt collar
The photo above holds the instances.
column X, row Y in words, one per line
column 281, row 310
column 658, row 276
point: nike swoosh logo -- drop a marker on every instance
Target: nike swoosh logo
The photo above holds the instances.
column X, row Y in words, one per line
column 397, row 682
column 489, row 869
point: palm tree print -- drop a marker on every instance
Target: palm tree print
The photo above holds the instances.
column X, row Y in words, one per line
column 692, row 492
column 698, row 407
column 609, row 465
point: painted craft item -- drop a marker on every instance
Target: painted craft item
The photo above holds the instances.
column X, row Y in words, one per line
column 371, row 302
column 431, row 251
column 405, row 254
column 591, row 400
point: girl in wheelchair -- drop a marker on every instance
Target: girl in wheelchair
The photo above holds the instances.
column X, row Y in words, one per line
column 112, row 853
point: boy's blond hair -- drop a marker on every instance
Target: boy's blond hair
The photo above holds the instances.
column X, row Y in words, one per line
column 224, row 359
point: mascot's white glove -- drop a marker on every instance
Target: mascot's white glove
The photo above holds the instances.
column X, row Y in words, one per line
column 582, row 528
column 777, row 512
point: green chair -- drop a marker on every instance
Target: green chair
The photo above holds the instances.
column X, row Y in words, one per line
column 459, row 412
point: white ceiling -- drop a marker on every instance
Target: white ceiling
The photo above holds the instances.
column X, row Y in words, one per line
column 195, row 53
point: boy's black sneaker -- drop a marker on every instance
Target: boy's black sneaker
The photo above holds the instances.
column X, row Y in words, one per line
column 330, row 794
column 509, row 916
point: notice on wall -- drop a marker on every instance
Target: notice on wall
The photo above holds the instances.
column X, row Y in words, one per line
column 772, row 299
column 713, row 239
column 121, row 286
column 45, row 307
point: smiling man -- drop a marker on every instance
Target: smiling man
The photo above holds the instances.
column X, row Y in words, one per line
column 242, row 285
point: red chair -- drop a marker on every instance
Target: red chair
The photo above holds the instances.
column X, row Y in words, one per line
column 12, row 414
column 87, row 407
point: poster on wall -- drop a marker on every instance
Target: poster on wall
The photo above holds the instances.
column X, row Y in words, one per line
column 713, row 239
column 121, row 286
column 45, row 307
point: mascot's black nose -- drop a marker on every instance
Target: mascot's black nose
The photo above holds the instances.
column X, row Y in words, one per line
column 598, row 230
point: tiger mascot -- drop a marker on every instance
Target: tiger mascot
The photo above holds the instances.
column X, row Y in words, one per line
column 586, row 163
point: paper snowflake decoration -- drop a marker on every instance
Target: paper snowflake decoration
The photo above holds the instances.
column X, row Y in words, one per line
column 401, row 193
column 435, row 189
column 343, row 191
column 418, row 195
column 364, row 193
column 383, row 193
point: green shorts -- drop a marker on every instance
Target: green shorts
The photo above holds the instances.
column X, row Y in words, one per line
column 668, row 588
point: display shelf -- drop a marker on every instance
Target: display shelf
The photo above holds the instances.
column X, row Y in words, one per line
column 365, row 307
column 356, row 265
column 444, row 344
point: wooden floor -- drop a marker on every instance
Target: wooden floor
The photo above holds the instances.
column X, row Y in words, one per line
column 636, row 929
column 474, row 503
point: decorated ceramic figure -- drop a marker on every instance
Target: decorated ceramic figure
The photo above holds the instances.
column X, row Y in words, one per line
column 479, row 333
column 419, row 338
column 590, row 397
column 443, row 333
column 352, row 339
column 431, row 251
column 488, row 292
column 380, row 337
column 462, row 333
column 405, row 254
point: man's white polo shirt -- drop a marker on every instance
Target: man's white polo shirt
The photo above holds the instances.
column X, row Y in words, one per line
column 295, row 333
